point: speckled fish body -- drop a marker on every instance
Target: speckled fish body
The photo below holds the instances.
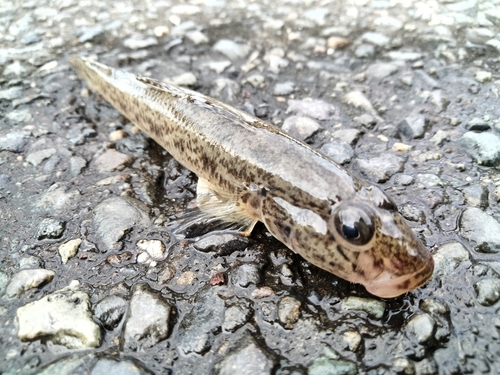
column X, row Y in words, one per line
column 336, row 221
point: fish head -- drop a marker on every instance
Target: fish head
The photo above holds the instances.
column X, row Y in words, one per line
column 385, row 254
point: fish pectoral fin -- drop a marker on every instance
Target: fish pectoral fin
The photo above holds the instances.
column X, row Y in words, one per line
column 219, row 211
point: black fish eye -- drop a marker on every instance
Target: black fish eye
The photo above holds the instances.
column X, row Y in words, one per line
column 355, row 224
column 349, row 232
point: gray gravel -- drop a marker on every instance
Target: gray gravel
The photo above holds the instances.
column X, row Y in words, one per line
column 403, row 93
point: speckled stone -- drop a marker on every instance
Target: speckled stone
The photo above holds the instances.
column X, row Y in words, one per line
column 50, row 229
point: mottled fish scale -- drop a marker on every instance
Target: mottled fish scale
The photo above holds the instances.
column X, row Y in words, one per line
column 249, row 170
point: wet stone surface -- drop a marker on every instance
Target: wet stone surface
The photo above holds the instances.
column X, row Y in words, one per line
column 403, row 93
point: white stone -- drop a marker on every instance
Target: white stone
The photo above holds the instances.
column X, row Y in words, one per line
column 69, row 249
column 63, row 317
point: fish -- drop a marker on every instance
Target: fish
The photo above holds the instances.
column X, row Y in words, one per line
column 249, row 171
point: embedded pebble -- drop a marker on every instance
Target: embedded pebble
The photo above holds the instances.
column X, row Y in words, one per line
column 413, row 127
column 225, row 89
column 197, row 328
column 154, row 248
column 5, row 181
column 223, row 244
column 14, row 141
column 11, row 93
column 147, row 321
column 317, row 15
column 50, row 229
column 448, row 258
column 284, row 88
column 106, row 366
column 4, row 280
column 439, row 138
column 483, row 147
column 219, row 67
column 429, row 180
column 477, row 124
column 403, row 366
column 375, row 39
column 30, row 261
column 114, row 217
column 412, row 213
column 358, row 100
column 109, row 311
column 37, row 157
column 482, row 76
column 373, row 307
column 478, row 35
column 494, row 43
column 488, row 291
column 401, row 147
column 231, row 49
column 364, row 51
column 368, row 121
column 481, row 229
column 90, row 33
column 113, row 160
column 353, row 339
column 405, row 56
column 317, row 109
column 381, row 168
column 197, row 37
column 421, row 326
column 339, row 151
column 405, row 180
column 69, row 249
column 349, row 136
column 381, row 70
column 331, row 364
column 247, row 274
column 476, row 196
column 28, row 279
column 247, row 358
column 57, row 199
column 76, row 165
column 236, row 316
column 185, row 79
column 300, row 127
column 63, row 317
column 140, row 42
column 289, row 311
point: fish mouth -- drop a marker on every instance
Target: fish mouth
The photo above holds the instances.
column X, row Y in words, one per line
column 387, row 285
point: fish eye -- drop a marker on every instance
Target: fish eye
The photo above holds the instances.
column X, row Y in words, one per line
column 355, row 224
